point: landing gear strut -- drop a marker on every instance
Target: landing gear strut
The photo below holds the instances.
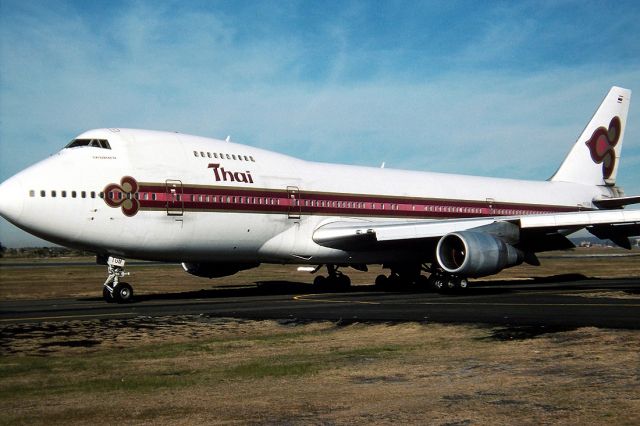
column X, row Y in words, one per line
column 115, row 290
column 335, row 280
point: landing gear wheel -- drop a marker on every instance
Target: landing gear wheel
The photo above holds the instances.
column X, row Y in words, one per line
column 423, row 283
column 382, row 282
column 319, row 282
column 439, row 282
column 123, row 293
column 106, row 295
column 113, row 290
column 344, row 282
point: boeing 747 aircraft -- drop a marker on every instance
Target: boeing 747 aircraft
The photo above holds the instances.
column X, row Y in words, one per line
column 220, row 207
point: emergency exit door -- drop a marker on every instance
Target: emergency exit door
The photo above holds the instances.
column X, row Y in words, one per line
column 174, row 197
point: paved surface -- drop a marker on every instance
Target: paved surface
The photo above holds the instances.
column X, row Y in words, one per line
column 600, row 303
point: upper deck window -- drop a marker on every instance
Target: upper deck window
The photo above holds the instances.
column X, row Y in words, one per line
column 96, row 143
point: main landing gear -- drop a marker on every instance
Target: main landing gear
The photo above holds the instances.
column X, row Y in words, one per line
column 404, row 277
column 447, row 283
column 115, row 290
column 335, row 280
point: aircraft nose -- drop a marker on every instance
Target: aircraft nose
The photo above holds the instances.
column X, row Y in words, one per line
column 11, row 199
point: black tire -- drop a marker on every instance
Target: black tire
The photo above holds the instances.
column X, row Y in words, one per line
column 320, row 282
column 123, row 293
column 439, row 283
column 106, row 295
column 424, row 283
column 344, row 282
column 382, row 282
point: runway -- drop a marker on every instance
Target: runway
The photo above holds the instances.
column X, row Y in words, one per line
column 611, row 303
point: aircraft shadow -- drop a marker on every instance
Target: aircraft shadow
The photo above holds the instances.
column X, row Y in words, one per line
column 479, row 288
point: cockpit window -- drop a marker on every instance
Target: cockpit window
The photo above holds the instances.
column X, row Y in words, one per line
column 96, row 143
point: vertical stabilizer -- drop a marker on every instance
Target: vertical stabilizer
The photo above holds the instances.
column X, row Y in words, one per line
column 594, row 158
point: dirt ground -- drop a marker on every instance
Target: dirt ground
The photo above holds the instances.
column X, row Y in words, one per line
column 195, row 370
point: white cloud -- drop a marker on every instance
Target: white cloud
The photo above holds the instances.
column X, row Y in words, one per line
column 192, row 72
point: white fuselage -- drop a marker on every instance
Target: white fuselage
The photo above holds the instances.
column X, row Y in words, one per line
column 206, row 200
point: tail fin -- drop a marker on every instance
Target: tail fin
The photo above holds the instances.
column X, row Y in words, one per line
column 594, row 158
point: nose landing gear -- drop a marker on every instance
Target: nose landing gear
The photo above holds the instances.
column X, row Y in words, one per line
column 115, row 290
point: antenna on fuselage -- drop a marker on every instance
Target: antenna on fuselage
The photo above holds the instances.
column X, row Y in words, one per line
column 228, row 138
column 382, row 165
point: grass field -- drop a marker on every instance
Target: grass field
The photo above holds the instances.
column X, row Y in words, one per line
column 189, row 370
column 201, row 370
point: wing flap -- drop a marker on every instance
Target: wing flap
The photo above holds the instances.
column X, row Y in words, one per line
column 579, row 219
column 364, row 235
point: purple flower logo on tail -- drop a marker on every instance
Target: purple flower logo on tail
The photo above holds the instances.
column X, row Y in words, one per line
column 601, row 146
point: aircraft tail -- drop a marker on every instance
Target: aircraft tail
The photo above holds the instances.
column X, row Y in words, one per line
column 595, row 156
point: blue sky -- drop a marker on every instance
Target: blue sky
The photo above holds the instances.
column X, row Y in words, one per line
column 490, row 88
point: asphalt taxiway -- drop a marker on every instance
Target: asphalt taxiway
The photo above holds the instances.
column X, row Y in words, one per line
column 613, row 303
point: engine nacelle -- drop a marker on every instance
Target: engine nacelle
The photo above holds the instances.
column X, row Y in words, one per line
column 475, row 254
column 216, row 270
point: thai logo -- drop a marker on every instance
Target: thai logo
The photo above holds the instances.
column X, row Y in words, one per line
column 123, row 195
column 601, row 146
column 223, row 175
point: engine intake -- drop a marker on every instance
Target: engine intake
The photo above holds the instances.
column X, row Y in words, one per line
column 216, row 270
column 475, row 254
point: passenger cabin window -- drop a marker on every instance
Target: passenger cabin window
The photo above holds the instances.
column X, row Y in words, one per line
column 95, row 143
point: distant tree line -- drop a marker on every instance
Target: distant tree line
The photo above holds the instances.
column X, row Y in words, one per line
column 33, row 252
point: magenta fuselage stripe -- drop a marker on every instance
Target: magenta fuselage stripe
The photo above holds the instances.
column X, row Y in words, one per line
column 306, row 203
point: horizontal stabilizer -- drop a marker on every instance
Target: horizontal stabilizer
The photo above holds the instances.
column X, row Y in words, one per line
column 616, row 203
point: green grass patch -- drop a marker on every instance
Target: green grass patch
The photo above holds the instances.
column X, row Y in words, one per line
column 272, row 368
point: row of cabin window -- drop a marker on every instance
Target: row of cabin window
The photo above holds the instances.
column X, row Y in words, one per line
column 229, row 199
column 223, row 156
column 63, row 194
column 343, row 204
column 117, row 195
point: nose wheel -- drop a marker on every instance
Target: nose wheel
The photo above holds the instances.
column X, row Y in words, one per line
column 113, row 289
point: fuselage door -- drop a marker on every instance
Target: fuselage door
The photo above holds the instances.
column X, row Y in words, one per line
column 295, row 206
column 175, row 197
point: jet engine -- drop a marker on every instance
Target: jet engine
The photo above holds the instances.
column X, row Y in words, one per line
column 475, row 254
column 216, row 270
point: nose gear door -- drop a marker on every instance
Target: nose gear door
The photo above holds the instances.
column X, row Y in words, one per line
column 175, row 197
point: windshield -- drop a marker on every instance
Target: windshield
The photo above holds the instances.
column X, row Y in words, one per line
column 96, row 143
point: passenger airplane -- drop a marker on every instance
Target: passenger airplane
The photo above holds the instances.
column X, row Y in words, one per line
column 221, row 207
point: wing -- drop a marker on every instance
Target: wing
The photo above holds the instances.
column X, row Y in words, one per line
column 530, row 232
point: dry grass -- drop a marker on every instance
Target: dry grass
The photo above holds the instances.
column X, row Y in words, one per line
column 195, row 370
column 201, row 370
